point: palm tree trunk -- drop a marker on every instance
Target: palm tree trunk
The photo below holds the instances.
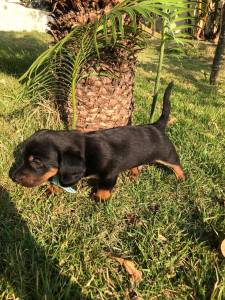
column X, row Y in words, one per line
column 220, row 50
column 102, row 101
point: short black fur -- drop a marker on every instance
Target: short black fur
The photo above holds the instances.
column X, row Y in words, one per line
column 103, row 153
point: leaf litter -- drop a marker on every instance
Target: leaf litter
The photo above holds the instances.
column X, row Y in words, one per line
column 131, row 269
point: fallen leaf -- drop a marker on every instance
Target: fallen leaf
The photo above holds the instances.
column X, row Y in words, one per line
column 162, row 238
column 132, row 218
column 169, row 294
column 154, row 207
column 222, row 247
column 131, row 295
column 171, row 121
column 129, row 265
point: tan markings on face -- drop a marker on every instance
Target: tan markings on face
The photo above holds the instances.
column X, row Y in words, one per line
column 30, row 158
column 32, row 180
column 102, row 194
column 50, row 173
column 176, row 169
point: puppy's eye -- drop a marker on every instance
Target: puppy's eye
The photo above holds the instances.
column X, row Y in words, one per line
column 36, row 163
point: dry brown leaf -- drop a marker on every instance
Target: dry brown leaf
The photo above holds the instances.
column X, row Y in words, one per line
column 222, row 247
column 162, row 238
column 171, row 121
column 132, row 219
column 129, row 265
column 131, row 295
column 169, row 294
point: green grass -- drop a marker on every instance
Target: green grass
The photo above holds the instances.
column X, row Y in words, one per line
column 57, row 247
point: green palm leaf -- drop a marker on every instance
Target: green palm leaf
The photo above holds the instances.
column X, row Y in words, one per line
column 57, row 70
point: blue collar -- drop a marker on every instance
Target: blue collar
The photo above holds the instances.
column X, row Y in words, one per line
column 55, row 180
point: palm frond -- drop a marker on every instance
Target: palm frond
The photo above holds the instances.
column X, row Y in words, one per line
column 57, row 70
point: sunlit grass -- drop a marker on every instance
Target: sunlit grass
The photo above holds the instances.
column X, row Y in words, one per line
column 57, row 247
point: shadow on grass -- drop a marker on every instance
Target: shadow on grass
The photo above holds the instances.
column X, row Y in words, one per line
column 204, row 234
column 183, row 68
column 18, row 51
column 201, row 231
column 204, row 90
column 25, row 266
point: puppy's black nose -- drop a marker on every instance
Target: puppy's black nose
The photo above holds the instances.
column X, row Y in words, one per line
column 16, row 178
column 12, row 176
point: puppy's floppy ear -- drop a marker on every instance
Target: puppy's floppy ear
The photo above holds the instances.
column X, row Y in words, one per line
column 71, row 167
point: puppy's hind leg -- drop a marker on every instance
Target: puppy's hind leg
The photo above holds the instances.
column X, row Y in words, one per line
column 177, row 169
column 172, row 161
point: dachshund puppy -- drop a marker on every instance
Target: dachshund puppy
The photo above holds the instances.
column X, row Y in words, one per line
column 104, row 153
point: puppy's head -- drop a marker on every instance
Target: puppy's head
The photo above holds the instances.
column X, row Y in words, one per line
column 48, row 153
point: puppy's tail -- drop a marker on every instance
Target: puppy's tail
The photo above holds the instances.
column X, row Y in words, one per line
column 162, row 121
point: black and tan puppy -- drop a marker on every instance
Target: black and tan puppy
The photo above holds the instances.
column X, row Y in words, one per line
column 105, row 153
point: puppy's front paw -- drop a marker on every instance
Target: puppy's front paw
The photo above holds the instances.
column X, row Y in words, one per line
column 102, row 195
column 134, row 172
column 53, row 189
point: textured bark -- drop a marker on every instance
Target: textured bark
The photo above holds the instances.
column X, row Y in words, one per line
column 202, row 18
column 68, row 13
column 208, row 17
column 105, row 102
column 220, row 50
column 102, row 101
